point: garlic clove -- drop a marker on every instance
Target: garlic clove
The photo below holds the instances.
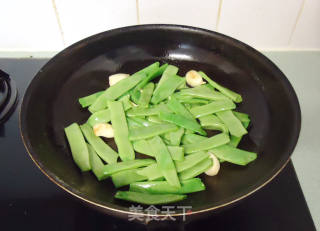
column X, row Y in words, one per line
column 215, row 167
column 104, row 130
column 194, row 79
column 113, row 79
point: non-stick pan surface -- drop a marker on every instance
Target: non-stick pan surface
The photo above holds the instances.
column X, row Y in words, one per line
column 50, row 104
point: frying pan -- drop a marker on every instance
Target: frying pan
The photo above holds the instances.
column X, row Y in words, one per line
column 50, row 104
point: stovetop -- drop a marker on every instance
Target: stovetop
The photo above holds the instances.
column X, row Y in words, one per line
column 8, row 96
column 28, row 200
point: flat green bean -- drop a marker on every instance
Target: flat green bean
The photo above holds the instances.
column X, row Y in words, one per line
column 189, row 99
column 133, row 124
column 183, row 85
column 96, row 163
column 203, row 92
column 146, row 94
column 78, row 146
column 152, row 172
column 167, row 73
column 103, row 116
column 127, row 104
column 188, row 131
column 102, row 149
column 166, row 89
column 178, row 108
column 234, row 155
column 126, row 177
column 110, row 169
column 149, row 199
column 155, row 119
column 98, row 117
column 214, row 141
column 164, row 161
column 213, row 107
column 233, row 124
column 116, row 91
column 191, row 160
column 142, row 146
column 182, row 122
column 135, row 94
column 196, row 170
column 142, row 122
column 244, row 118
column 88, row 100
column 163, row 187
column 227, row 92
column 148, row 132
column 174, row 137
column 234, row 141
column 176, row 152
column 142, row 111
column 192, row 138
column 122, row 87
column 212, row 122
column 121, row 131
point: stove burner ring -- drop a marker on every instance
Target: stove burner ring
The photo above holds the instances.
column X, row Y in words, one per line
column 8, row 96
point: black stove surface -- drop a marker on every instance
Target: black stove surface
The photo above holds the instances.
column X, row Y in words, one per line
column 30, row 201
column 8, row 96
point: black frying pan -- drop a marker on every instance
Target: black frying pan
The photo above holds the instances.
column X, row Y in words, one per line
column 50, row 104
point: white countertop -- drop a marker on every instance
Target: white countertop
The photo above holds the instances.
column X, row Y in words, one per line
column 302, row 68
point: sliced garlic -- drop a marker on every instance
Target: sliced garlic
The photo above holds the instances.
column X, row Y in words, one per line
column 194, row 79
column 215, row 167
column 133, row 104
column 113, row 79
column 103, row 129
